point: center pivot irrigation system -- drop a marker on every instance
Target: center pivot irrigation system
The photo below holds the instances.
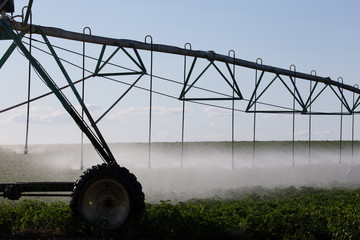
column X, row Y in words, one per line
column 108, row 192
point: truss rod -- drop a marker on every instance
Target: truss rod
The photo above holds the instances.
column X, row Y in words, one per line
column 60, row 33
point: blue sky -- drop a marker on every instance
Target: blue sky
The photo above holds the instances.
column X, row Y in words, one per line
column 313, row 35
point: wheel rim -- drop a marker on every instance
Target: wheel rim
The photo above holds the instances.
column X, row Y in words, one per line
column 106, row 202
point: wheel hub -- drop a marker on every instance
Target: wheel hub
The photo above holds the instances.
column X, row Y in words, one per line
column 107, row 203
column 106, row 200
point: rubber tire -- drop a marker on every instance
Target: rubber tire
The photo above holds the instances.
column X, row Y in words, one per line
column 123, row 185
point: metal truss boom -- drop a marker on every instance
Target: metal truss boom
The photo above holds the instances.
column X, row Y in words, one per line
column 210, row 55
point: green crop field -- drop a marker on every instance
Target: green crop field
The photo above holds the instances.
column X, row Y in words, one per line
column 280, row 213
column 205, row 199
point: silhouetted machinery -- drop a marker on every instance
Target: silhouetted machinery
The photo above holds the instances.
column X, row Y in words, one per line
column 7, row 6
column 108, row 194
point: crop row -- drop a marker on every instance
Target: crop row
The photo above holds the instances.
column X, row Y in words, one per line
column 287, row 213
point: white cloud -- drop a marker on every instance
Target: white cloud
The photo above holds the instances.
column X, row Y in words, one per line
column 52, row 115
column 55, row 116
column 91, row 107
column 38, row 115
column 166, row 110
column 215, row 112
column 322, row 133
column 301, row 133
column 120, row 114
column 13, row 118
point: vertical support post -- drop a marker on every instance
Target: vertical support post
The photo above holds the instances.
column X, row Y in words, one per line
column 258, row 60
column 233, row 115
column 313, row 72
column 293, row 119
column 341, row 122
column 353, row 128
column 26, row 150
column 150, row 99
column 83, row 98
column 183, row 112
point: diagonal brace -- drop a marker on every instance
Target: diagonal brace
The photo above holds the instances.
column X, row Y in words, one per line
column 77, row 95
column 64, row 101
